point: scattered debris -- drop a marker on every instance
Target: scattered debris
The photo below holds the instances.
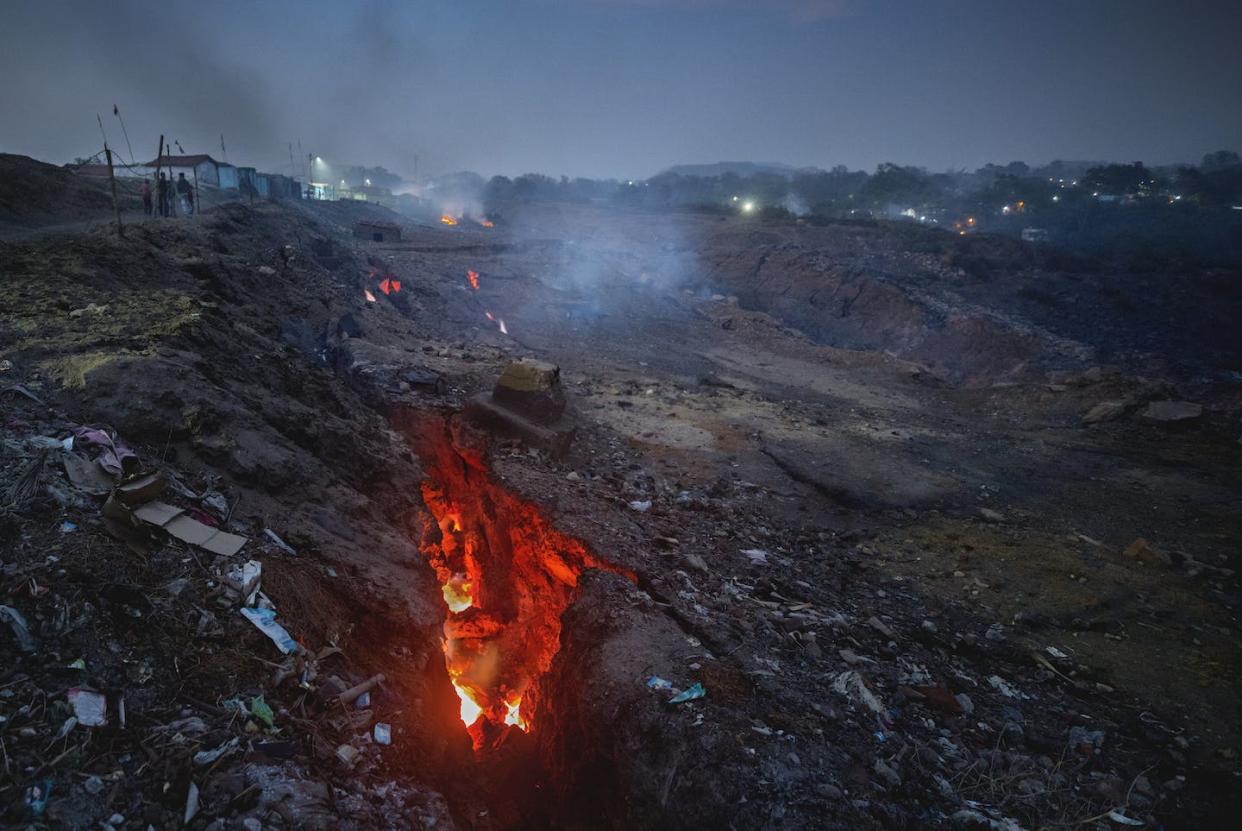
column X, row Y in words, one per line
column 90, row 707
column 21, row 630
column 210, row 757
column 657, row 683
column 278, row 542
column 246, row 579
column 265, row 621
column 260, row 710
column 757, row 556
column 176, row 522
column 696, row 691
column 191, row 804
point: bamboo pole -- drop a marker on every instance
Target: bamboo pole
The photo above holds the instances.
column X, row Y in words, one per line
column 116, row 207
column 159, row 158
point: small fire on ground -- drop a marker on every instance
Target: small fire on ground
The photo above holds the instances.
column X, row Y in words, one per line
column 472, row 277
column 506, row 576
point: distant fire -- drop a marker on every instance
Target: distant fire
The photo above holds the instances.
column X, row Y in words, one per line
column 367, row 294
column 448, row 220
column 473, row 278
column 389, row 285
column 487, row 223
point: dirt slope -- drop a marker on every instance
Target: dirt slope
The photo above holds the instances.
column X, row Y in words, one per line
column 802, row 524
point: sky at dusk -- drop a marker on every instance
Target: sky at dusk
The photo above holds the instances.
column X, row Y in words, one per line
column 625, row 88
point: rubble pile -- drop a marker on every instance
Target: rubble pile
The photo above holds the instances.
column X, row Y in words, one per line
column 149, row 676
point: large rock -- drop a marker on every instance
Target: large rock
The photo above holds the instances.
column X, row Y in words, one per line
column 531, row 388
column 1106, row 411
column 1172, row 412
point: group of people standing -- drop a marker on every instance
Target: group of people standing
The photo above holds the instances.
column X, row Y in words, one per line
column 184, row 194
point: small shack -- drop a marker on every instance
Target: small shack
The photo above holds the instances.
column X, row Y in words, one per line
column 199, row 168
column 377, row 231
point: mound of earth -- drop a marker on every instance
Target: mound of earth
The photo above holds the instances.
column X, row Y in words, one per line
column 36, row 194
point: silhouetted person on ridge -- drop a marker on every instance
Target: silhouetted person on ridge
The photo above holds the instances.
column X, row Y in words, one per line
column 185, row 191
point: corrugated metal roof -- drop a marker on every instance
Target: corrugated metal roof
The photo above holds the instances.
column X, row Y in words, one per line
column 184, row 161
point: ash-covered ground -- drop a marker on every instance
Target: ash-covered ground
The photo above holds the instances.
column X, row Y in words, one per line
column 945, row 530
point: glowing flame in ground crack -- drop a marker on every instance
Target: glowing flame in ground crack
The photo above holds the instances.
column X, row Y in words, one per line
column 513, row 715
column 367, row 294
column 473, row 277
column 470, row 711
column 448, row 220
column 457, row 594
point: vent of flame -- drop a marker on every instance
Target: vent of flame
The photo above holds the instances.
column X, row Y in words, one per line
column 506, row 576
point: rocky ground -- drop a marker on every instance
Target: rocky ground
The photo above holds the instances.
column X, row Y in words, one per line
column 916, row 590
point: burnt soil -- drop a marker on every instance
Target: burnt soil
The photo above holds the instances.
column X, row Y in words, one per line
column 877, row 649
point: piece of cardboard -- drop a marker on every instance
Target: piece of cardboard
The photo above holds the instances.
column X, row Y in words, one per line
column 143, row 489
column 86, row 475
column 157, row 513
column 113, row 509
column 225, row 544
column 189, row 530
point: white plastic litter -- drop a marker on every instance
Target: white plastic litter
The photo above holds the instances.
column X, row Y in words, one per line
column 265, row 621
column 90, row 707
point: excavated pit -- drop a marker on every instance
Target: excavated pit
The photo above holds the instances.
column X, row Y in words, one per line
column 507, row 577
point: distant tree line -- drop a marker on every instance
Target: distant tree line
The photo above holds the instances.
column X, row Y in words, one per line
column 1096, row 208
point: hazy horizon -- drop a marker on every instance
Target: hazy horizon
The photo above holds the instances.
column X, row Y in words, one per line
column 625, row 88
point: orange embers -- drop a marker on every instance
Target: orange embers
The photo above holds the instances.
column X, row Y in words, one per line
column 448, row 220
column 506, row 576
column 473, row 277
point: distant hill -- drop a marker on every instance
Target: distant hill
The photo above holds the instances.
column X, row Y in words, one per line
column 708, row 171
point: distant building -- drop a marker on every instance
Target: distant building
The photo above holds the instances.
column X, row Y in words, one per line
column 1034, row 234
column 208, row 171
column 322, row 191
column 377, row 231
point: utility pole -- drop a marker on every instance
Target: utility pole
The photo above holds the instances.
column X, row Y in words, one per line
column 116, row 207
column 223, row 152
column 159, row 159
column 172, row 189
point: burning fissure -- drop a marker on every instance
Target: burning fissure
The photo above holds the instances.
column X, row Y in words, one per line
column 506, row 576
